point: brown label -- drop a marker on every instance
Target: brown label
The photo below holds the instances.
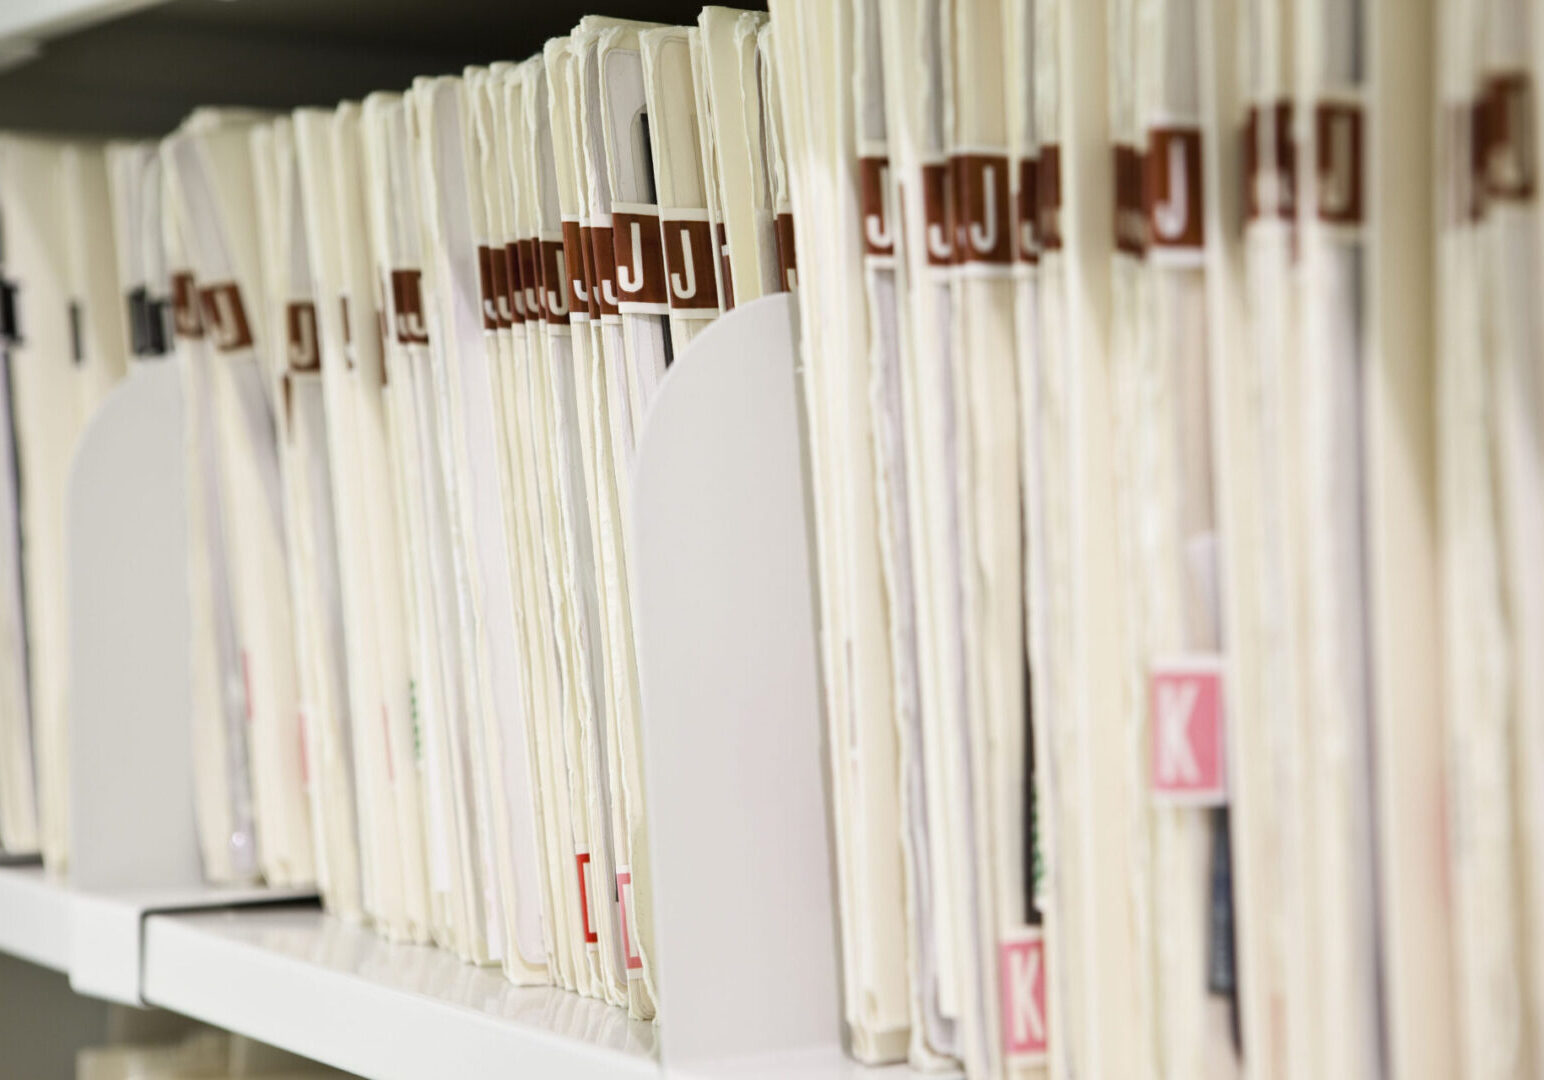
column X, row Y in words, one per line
column 1050, row 197
column 530, row 281
column 787, row 253
column 486, row 289
column 1130, row 215
column 1270, row 187
column 983, row 218
column 591, row 292
column 407, row 307
column 185, row 316
column 1171, row 189
column 225, row 317
column 937, row 210
column 603, row 249
column 348, row 333
column 554, row 280
column 640, row 265
column 1510, row 160
column 513, row 283
column 1026, row 216
column 578, row 284
column 874, row 204
column 503, row 302
column 724, row 270
column 689, row 264
column 300, row 336
column 1338, row 162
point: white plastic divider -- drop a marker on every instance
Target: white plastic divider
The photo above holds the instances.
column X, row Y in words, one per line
column 133, row 845
column 733, row 737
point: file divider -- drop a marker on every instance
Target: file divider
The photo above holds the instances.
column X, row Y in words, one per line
column 734, row 740
column 133, row 846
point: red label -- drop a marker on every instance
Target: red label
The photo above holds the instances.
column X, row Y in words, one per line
column 1171, row 189
column 1021, row 964
column 874, row 204
column 583, row 860
column 300, row 336
column 1130, row 217
column 574, row 258
column 185, row 317
column 604, row 251
column 1189, row 761
column 225, row 317
column 408, row 307
column 1026, row 215
column 1338, row 162
column 937, row 211
column 982, row 214
column 689, row 257
column 624, row 898
column 787, row 253
column 1050, row 197
column 640, row 263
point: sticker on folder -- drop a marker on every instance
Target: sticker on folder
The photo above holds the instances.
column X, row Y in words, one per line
column 1187, row 718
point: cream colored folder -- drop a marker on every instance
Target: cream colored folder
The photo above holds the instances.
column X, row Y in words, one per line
column 453, row 315
column 223, row 804
column 814, row 46
column 210, row 159
column 37, row 383
column 1479, row 341
column 734, row 111
column 588, row 522
column 1512, row 70
column 504, row 93
column 293, row 336
column 134, row 191
column 71, row 348
column 686, row 225
column 563, row 785
column 396, row 245
column 614, row 433
column 1249, row 294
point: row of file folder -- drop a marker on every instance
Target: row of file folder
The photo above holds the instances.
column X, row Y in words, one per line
column 1176, row 417
column 418, row 337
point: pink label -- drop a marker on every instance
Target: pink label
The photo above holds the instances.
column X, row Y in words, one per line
column 1022, row 963
column 1189, row 755
column 624, row 901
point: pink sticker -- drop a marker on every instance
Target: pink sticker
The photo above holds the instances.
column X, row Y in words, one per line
column 1189, row 754
column 624, row 895
column 1022, row 963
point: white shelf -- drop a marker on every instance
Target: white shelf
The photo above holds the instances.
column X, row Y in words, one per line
column 34, row 917
column 317, row 986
